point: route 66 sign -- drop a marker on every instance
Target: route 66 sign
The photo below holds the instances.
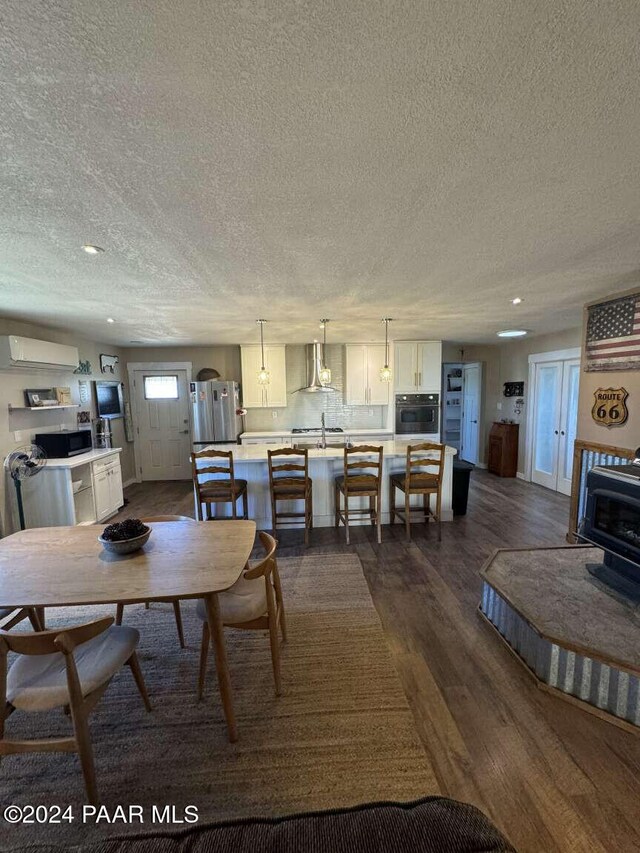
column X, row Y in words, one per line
column 610, row 406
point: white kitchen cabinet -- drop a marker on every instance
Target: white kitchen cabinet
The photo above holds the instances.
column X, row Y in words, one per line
column 418, row 366
column 254, row 395
column 283, row 440
column 368, row 437
column 362, row 375
column 107, row 486
column 50, row 498
column 102, row 495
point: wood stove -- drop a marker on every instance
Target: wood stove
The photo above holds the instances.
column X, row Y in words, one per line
column 612, row 522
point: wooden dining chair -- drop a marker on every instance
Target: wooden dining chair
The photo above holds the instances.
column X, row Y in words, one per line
column 254, row 602
column 290, row 481
column 355, row 482
column 176, row 604
column 422, row 476
column 226, row 490
column 12, row 616
column 69, row 668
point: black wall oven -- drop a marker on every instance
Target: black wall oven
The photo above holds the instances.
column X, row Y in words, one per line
column 417, row 414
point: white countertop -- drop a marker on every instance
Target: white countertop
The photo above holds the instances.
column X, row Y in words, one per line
column 82, row 458
column 258, row 452
column 288, row 432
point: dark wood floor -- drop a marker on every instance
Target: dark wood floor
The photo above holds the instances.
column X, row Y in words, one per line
column 552, row 777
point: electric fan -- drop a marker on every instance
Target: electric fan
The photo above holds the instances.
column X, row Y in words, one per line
column 21, row 464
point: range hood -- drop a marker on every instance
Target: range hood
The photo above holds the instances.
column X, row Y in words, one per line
column 314, row 356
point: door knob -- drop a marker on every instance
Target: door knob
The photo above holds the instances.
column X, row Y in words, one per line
column 184, row 431
column 555, row 431
column 561, row 432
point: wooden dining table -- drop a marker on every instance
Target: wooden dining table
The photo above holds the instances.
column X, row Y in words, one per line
column 67, row 566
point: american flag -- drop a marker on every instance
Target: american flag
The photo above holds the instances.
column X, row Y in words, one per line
column 613, row 335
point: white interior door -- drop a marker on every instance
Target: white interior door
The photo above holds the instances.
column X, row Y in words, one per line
column 163, row 433
column 555, row 416
column 546, row 423
column 470, row 425
column 568, row 423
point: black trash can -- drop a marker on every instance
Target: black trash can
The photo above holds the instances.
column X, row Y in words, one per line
column 461, row 474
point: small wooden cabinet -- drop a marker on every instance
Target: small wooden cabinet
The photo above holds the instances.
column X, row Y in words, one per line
column 503, row 449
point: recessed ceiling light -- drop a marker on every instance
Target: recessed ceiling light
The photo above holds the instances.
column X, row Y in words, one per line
column 516, row 301
column 512, row 333
column 110, row 320
column 92, row 250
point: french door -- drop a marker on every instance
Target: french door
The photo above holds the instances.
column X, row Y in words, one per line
column 555, row 417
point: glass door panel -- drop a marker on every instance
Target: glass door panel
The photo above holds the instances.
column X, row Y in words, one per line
column 569, row 424
column 546, row 423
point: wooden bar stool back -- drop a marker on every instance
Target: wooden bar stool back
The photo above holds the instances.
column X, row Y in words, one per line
column 225, row 490
column 423, row 476
column 362, row 478
column 290, row 481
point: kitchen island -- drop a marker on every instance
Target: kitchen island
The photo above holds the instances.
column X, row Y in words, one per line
column 250, row 464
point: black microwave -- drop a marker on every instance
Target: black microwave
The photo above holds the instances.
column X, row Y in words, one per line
column 59, row 445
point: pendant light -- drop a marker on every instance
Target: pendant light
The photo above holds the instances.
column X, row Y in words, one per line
column 264, row 377
column 324, row 374
column 385, row 372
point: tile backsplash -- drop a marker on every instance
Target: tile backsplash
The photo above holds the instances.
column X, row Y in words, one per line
column 304, row 410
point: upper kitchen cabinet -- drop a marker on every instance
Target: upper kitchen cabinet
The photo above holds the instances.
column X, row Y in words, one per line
column 254, row 395
column 418, row 366
column 363, row 386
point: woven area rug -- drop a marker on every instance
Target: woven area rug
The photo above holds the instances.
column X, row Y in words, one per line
column 340, row 734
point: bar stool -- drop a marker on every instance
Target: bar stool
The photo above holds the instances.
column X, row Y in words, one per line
column 291, row 488
column 224, row 491
column 360, row 485
column 418, row 479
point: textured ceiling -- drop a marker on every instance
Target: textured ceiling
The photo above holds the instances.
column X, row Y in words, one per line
column 293, row 160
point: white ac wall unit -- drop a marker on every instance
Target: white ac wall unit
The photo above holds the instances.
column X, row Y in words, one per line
column 16, row 351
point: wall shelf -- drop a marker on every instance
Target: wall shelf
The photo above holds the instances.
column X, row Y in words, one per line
column 42, row 408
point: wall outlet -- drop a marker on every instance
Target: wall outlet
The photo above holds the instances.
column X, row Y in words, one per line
column 274, row 414
column 370, row 413
column 17, row 436
column 499, row 407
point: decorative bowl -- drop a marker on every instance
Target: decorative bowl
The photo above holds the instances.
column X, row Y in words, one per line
column 125, row 546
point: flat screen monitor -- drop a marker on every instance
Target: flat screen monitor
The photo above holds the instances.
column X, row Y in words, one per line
column 109, row 400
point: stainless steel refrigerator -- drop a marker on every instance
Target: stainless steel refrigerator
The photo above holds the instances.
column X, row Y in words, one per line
column 214, row 407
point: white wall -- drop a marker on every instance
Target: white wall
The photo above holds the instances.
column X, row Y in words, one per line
column 13, row 381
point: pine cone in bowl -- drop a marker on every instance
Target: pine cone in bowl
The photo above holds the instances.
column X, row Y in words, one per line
column 125, row 537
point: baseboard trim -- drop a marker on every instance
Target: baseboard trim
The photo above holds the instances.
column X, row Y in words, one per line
column 129, row 482
column 520, row 476
column 481, row 464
